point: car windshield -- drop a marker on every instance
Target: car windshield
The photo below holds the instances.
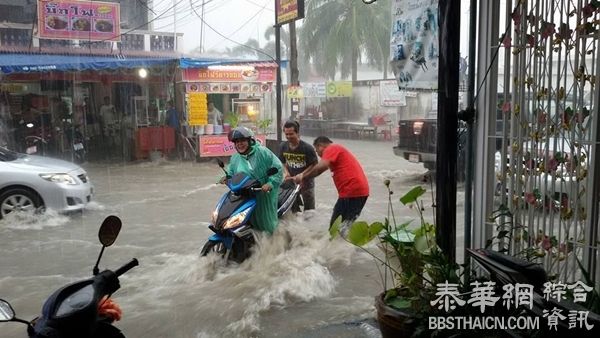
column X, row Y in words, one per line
column 8, row 155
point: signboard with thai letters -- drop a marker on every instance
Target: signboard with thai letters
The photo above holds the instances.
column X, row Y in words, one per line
column 79, row 20
column 287, row 11
column 390, row 95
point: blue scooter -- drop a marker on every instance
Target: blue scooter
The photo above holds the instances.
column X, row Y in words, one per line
column 233, row 236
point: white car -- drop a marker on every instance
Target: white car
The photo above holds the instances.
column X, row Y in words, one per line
column 30, row 183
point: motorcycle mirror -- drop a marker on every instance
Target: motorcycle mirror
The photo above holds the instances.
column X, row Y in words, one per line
column 109, row 230
column 272, row 171
column 221, row 164
column 7, row 313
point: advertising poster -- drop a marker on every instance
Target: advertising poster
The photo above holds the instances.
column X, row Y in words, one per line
column 390, row 95
column 79, row 20
column 339, row 89
column 197, row 109
column 414, row 46
column 314, row 89
column 219, row 145
column 229, row 87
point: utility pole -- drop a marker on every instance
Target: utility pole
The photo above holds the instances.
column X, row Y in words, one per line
column 294, row 73
column 175, row 25
column 278, row 83
column 447, row 121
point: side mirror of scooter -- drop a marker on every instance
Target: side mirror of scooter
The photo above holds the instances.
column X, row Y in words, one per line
column 7, row 313
column 222, row 165
column 109, row 230
column 272, row 171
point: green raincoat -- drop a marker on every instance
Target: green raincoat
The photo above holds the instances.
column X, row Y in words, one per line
column 255, row 164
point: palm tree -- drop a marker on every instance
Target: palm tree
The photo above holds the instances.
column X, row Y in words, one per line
column 338, row 34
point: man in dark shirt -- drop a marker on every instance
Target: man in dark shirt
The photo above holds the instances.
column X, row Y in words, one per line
column 297, row 157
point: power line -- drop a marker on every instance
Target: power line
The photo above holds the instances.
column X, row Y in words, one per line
column 258, row 5
column 245, row 23
column 240, row 44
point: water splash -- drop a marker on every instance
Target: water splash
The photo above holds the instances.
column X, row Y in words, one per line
column 33, row 221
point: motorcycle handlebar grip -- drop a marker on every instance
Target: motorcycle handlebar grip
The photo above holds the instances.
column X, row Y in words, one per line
column 133, row 263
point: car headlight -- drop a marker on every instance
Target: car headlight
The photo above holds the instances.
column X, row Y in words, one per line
column 59, row 178
column 236, row 220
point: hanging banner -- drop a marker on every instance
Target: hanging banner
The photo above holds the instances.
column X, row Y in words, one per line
column 390, row 95
column 197, row 109
column 414, row 46
column 79, row 20
column 339, row 88
column 314, row 89
column 251, row 74
column 287, row 11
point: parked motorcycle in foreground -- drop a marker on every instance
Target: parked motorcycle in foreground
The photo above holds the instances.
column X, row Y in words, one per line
column 230, row 222
column 81, row 309
column 504, row 270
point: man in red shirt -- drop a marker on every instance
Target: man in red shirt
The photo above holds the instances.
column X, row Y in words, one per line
column 348, row 176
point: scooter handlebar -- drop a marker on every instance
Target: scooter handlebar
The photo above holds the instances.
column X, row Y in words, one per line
column 133, row 263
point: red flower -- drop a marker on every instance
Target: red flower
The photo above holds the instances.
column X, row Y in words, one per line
column 546, row 243
column 588, row 10
column 506, row 107
column 530, row 198
column 547, row 29
column 552, row 165
column 506, row 42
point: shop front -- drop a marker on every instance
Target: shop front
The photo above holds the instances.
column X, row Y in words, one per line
column 95, row 101
column 222, row 97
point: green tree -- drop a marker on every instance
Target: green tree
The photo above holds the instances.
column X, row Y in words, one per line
column 339, row 34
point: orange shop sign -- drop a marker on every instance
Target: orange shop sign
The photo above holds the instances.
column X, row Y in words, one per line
column 261, row 74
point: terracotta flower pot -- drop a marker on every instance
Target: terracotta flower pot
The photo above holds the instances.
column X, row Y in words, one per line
column 392, row 322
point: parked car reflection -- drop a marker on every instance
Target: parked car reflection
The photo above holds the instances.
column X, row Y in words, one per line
column 31, row 183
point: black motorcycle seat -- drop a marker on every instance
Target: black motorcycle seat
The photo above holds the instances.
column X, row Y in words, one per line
column 286, row 189
column 534, row 272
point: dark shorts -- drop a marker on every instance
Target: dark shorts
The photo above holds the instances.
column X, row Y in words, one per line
column 349, row 208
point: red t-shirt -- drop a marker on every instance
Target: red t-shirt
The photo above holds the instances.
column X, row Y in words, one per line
column 348, row 175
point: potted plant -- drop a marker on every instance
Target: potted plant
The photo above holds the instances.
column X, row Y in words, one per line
column 232, row 119
column 412, row 264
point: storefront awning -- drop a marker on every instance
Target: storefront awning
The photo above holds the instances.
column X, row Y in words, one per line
column 185, row 63
column 26, row 63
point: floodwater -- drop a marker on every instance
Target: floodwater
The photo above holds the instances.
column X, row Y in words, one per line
column 298, row 283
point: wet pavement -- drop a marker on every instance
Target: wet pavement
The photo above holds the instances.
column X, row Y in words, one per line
column 297, row 284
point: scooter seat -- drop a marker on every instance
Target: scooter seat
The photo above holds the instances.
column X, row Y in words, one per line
column 285, row 192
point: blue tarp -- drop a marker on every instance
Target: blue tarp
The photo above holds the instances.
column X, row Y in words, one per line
column 203, row 63
column 26, row 63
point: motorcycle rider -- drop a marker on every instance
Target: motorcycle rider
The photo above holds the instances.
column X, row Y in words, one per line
column 254, row 160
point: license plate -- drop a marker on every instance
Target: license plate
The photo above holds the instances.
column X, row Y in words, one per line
column 413, row 158
column 78, row 146
column 31, row 150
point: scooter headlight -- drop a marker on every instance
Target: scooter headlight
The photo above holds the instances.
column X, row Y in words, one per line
column 236, row 220
column 215, row 214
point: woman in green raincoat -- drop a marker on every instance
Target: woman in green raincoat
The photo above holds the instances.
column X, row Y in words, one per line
column 254, row 160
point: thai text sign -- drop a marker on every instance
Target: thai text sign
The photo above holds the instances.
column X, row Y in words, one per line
column 295, row 92
column 288, row 10
column 219, row 145
column 197, row 109
column 83, row 20
column 261, row 74
column 339, row 88
column 229, row 87
column 314, row 89
column 390, row 95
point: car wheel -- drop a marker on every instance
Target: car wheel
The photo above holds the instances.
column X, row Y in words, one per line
column 15, row 200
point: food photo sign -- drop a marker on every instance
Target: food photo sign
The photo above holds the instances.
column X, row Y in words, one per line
column 79, row 20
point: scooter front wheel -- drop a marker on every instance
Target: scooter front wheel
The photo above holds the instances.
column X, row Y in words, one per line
column 213, row 246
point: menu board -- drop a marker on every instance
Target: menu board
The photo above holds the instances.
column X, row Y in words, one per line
column 197, row 109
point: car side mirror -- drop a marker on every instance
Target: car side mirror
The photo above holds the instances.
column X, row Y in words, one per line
column 7, row 313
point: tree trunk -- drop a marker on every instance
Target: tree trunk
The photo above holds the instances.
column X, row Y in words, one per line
column 294, row 73
column 354, row 65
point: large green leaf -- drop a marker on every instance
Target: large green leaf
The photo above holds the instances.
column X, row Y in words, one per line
column 334, row 230
column 412, row 195
column 399, row 303
column 403, row 235
column 361, row 233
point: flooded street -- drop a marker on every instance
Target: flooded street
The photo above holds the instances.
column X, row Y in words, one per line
column 297, row 284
